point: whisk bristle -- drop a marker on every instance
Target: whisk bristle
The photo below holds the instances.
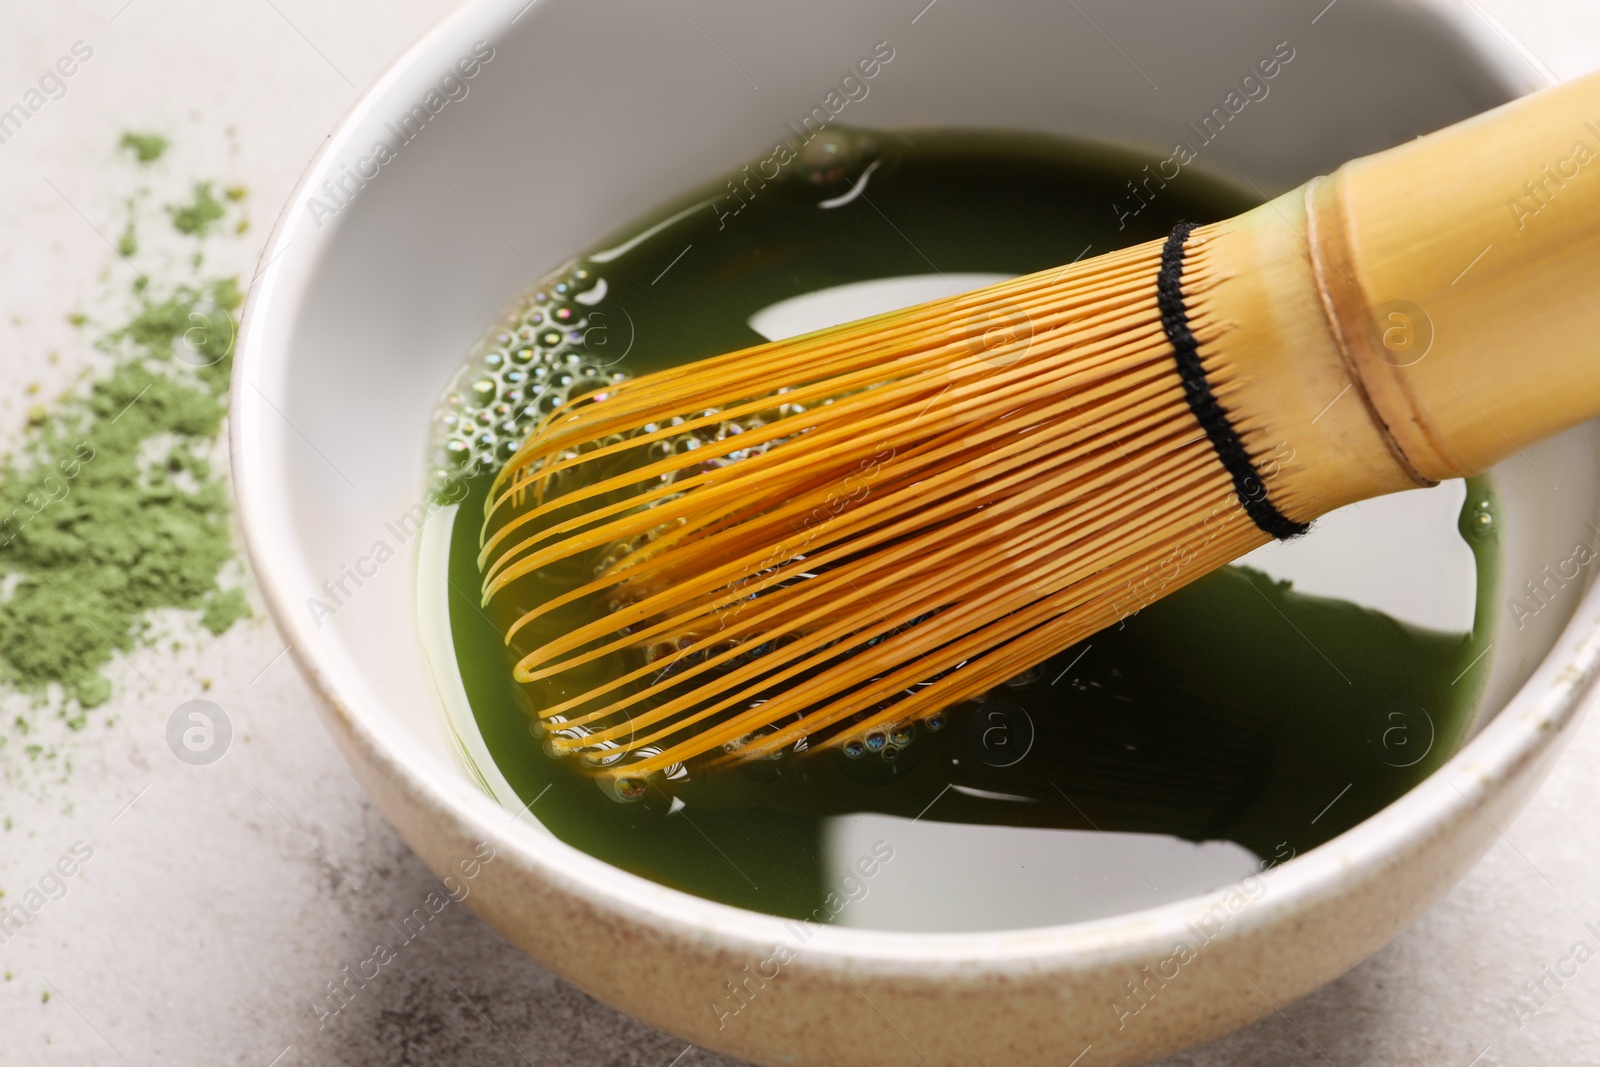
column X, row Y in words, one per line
column 827, row 540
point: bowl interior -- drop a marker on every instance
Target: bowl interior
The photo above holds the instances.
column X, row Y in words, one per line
column 578, row 116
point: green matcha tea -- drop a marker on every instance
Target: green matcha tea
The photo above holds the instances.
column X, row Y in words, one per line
column 1225, row 728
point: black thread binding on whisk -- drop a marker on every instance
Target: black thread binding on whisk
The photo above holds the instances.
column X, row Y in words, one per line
column 1247, row 482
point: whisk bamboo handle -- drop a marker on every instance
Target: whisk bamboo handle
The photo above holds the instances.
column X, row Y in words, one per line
column 1420, row 314
column 1462, row 273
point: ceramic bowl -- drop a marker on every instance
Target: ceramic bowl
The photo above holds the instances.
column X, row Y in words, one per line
column 516, row 133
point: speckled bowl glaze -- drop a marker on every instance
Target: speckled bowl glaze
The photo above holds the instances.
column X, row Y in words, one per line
column 386, row 265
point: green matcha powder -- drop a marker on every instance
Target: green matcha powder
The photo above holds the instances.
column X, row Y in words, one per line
column 114, row 506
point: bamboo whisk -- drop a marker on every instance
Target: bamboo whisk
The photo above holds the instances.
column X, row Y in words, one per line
column 827, row 541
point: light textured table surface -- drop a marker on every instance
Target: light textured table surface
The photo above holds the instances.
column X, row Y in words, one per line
column 223, row 899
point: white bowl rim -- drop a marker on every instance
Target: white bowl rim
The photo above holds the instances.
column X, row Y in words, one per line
column 1538, row 718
